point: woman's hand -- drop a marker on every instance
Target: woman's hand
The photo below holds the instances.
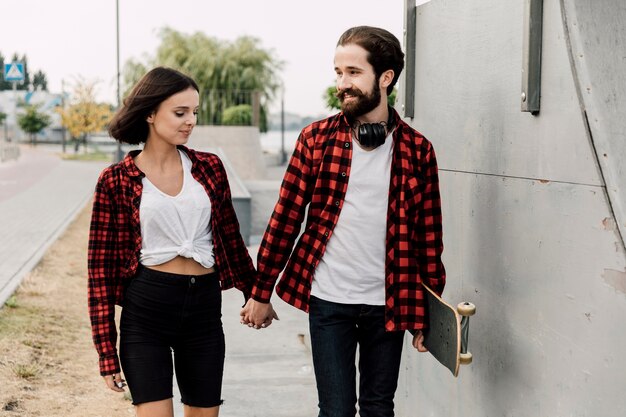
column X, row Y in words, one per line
column 258, row 315
column 115, row 382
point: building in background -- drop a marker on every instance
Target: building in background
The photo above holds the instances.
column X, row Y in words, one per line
column 11, row 103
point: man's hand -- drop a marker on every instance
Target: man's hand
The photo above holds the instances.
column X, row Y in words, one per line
column 418, row 341
column 258, row 315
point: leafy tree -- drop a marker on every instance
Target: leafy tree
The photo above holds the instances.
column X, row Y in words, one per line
column 132, row 72
column 32, row 122
column 227, row 72
column 4, row 85
column 3, row 118
column 332, row 102
column 40, row 81
column 84, row 115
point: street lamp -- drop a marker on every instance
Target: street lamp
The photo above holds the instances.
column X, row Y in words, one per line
column 119, row 154
column 283, row 155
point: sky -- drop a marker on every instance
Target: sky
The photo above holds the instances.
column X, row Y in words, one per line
column 67, row 39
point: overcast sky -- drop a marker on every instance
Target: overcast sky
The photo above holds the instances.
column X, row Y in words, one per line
column 66, row 38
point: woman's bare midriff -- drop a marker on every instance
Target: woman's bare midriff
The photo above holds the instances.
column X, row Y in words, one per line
column 183, row 266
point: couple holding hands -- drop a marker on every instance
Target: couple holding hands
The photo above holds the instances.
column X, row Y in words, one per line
column 165, row 241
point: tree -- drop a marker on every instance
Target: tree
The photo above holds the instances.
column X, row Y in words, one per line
column 40, row 81
column 84, row 115
column 332, row 102
column 227, row 72
column 4, row 85
column 132, row 72
column 32, row 122
column 3, row 117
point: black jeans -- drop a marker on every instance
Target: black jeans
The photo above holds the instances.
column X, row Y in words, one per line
column 336, row 329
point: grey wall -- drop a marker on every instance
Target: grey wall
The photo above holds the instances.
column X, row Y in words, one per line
column 239, row 147
column 532, row 218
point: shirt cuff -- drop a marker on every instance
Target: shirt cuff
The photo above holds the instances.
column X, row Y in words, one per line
column 109, row 364
column 262, row 290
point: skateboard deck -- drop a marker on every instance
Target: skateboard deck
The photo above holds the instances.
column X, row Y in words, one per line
column 447, row 333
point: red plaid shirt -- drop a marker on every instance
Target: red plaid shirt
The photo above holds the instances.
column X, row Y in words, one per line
column 115, row 242
column 317, row 176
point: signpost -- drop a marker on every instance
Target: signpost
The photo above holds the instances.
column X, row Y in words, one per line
column 14, row 72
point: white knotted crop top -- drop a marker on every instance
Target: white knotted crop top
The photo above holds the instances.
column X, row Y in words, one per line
column 177, row 225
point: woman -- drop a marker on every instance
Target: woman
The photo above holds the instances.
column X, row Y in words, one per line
column 164, row 242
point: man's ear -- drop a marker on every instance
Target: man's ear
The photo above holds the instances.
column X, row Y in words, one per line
column 386, row 78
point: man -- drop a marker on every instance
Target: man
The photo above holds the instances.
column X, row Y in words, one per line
column 373, row 233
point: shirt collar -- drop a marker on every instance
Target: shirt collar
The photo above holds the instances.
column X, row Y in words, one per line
column 129, row 164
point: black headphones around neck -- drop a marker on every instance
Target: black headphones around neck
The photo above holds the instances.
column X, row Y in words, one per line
column 372, row 135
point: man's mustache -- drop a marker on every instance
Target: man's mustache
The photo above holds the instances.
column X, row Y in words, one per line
column 341, row 93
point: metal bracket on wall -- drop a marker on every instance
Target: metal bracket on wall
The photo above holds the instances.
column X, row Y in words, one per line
column 531, row 60
column 409, row 74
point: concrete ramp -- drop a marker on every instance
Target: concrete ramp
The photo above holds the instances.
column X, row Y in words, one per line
column 597, row 39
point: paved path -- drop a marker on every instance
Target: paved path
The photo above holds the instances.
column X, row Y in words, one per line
column 40, row 194
column 268, row 372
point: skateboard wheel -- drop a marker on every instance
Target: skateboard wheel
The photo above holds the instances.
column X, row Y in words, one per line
column 466, row 309
column 466, row 358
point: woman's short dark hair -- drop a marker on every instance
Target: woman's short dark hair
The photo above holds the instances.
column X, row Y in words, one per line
column 384, row 50
column 129, row 124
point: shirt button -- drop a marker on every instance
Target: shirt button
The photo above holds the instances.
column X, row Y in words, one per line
column 343, row 174
column 347, row 145
column 337, row 203
column 326, row 234
column 193, row 280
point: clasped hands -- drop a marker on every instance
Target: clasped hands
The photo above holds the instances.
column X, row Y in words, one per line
column 258, row 315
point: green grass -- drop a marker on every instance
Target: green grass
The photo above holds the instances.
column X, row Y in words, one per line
column 11, row 302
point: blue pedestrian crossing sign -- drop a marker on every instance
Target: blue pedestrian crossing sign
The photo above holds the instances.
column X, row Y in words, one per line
column 14, row 71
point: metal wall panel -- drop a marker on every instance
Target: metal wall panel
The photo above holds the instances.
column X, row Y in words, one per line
column 539, row 260
column 467, row 93
column 530, row 230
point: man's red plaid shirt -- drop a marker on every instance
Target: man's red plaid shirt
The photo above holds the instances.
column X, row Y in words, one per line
column 115, row 242
column 317, row 176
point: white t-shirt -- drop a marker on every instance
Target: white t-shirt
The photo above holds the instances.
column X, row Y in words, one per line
column 352, row 269
column 176, row 225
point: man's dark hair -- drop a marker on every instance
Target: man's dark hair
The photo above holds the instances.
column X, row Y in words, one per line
column 384, row 50
column 129, row 124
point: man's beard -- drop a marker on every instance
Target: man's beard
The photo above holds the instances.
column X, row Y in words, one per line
column 362, row 104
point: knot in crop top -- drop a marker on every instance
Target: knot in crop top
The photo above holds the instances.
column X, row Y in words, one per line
column 177, row 225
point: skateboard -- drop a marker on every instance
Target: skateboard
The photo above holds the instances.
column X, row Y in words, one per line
column 448, row 329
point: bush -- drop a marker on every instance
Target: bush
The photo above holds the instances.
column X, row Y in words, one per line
column 240, row 115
